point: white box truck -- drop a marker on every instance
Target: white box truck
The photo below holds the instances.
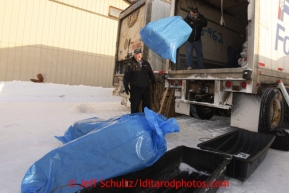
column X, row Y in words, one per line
column 250, row 94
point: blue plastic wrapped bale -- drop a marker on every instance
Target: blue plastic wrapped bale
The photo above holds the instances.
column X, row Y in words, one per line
column 123, row 145
column 166, row 35
column 85, row 126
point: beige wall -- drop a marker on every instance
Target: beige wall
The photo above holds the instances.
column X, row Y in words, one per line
column 68, row 41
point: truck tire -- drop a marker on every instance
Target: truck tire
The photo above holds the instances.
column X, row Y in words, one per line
column 286, row 114
column 202, row 112
column 271, row 110
column 224, row 112
column 193, row 112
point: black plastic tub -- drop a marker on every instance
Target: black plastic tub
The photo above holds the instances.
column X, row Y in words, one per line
column 166, row 170
column 248, row 149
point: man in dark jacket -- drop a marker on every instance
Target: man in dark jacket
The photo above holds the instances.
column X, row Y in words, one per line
column 196, row 21
column 137, row 75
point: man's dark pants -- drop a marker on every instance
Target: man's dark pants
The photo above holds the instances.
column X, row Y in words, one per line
column 136, row 96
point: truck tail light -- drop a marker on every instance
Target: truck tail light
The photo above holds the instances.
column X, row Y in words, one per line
column 244, row 84
column 228, row 84
column 176, row 82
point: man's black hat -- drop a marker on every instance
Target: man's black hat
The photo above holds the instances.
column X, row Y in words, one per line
column 137, row 51
column 194, row 8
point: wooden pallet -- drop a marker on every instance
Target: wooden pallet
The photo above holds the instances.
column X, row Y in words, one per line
column 156, row 94
column 167, row 105
column 162, row 99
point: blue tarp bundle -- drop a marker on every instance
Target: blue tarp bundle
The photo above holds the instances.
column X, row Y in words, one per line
column 85, row 126
column 165, row 36
column 100, row 150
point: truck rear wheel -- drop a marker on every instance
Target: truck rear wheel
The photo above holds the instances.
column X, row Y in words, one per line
column 271, row 110
column 286, row 114
column 202, row 112
column 224, row 112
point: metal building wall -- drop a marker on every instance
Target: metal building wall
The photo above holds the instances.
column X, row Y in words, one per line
column 68, row 41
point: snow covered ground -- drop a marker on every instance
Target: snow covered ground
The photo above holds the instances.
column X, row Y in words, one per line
column 31, row 114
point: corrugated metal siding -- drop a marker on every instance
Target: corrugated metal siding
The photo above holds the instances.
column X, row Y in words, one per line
column 68, row 41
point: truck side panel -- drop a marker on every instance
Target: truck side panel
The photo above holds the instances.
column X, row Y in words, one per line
column 274, row 35
column 130, row 27
column 129, row 37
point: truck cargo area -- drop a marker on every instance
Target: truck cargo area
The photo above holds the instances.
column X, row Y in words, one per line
column 217, row 37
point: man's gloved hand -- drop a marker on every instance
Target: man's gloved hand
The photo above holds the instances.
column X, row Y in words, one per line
column 127, row 90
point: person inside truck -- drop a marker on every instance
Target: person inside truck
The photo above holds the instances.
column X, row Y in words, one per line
column 233, row 51
column 137, row 75
column 196, row 21
column 233, row 57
